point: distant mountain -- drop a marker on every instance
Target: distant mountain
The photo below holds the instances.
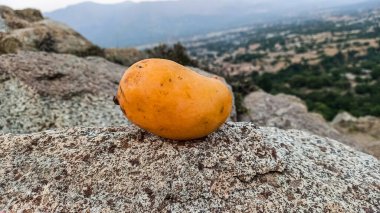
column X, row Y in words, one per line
column 130, row 24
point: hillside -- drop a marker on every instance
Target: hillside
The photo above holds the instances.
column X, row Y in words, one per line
column 331, row 62
column 131, row 24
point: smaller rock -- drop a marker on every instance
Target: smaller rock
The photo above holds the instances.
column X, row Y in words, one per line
column 290, row 112
column 31, row 15
column 365, row 130
column 28, row 29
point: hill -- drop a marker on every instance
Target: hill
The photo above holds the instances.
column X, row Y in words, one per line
column 131, row 24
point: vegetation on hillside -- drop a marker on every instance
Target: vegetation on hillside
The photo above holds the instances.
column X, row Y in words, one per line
column 176, row 52
column 332, row 64
column 325, row 87
column 128, row 56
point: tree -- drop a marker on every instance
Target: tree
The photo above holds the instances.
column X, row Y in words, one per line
column 363, row 89
column 376, row 73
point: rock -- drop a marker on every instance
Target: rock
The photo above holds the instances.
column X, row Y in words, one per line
column 365, row 130
column 12, row 20
column 239, row 168
column 31, row 31
column 289, row 112
column 3, row 26
column 43, row 91
column 29, row 14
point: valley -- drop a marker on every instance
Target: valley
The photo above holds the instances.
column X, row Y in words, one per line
column 331, row 62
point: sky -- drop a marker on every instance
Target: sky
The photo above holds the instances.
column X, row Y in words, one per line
column 50, row 5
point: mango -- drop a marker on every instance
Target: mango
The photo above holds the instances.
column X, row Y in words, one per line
column 172, row 101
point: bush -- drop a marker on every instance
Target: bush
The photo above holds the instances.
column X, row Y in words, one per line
column 176, row 53
column 375, row 74
column 47, row 44
column 323, row 109
column 91, row 51
column 249, row 57
column 9, row 45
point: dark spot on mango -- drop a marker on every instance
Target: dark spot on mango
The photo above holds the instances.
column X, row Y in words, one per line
column 222, row 110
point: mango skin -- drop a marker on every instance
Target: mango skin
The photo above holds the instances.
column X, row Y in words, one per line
column 172, row 101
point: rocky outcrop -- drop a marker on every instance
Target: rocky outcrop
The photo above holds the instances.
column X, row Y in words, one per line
column 365, row 130
column 239, row 168
column 289, row 112
column 28, row 30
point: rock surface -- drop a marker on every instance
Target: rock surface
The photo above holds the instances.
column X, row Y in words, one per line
column 41, row 91
column 28, row 30
column 239, row 168
column 365, row 130
column 289, row 112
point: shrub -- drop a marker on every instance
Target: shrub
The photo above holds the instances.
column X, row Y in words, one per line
column 176, row 53
column 47, row 44
column 91, row 51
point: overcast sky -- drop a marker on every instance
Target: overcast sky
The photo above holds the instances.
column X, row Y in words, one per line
column 49, row 5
